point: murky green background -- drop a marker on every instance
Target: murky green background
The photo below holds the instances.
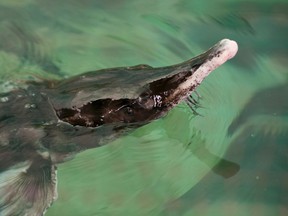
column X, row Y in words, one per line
column 153, row 171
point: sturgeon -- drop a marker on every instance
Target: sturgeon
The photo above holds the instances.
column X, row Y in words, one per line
column 48, row 122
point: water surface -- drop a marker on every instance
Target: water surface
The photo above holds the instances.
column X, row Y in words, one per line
column 154, row 171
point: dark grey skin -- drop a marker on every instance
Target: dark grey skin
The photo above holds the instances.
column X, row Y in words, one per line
column 48, row 122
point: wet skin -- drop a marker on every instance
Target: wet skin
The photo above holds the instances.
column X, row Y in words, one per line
column 49, row 122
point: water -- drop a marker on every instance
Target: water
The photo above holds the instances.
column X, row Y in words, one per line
column 154, row 171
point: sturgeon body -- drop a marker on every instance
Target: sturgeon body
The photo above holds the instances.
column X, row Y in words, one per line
column 49, row 122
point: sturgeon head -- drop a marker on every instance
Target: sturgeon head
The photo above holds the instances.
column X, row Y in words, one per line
column 114, row 100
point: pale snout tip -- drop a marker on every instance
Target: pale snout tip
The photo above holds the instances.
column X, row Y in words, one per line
column 231, row 46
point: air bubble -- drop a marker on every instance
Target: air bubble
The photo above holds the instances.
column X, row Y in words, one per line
column 30, row 106
column 4, row 99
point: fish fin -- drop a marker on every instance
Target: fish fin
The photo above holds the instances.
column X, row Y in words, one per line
column 226, row 168
column 218, row 165
column 28, row 188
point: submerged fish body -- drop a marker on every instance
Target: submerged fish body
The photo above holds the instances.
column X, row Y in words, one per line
column 260, row 105
column 49, row 122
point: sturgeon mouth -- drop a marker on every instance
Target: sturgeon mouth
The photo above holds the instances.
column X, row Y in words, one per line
column 146, row 94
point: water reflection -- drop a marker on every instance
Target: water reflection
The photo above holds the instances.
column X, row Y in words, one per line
column 27, row 46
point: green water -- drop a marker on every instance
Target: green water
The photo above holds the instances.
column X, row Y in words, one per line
column 153, row 171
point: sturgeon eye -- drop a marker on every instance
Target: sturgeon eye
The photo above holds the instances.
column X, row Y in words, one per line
column 129, row 110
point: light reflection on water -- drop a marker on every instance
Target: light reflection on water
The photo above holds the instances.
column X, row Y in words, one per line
column 245, row 105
